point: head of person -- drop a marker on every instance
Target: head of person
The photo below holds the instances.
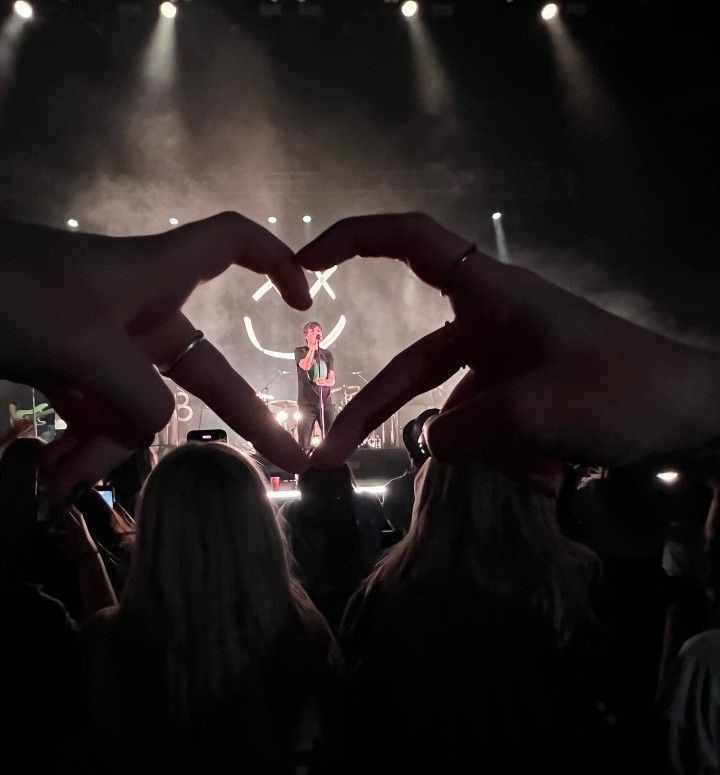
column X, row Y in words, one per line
column 412, row 433
column 311, row 331
column 326, row 485
column 473, row 525
column 21, row 532
column 209, row 590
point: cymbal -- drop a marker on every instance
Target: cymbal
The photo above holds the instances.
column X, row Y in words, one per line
column 283, row 403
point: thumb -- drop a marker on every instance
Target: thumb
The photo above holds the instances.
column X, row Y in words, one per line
column 489, row 426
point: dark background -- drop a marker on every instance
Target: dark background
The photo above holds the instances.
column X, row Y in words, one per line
column 604, row 164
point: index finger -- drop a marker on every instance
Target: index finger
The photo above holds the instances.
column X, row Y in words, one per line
column 185, row 257
column 230, row 238
column 417, row 369
column 428, row 248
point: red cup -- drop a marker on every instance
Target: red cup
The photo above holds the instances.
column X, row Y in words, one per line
column 275, row 482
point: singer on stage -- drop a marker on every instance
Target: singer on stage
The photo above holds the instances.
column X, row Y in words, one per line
column 315, row 378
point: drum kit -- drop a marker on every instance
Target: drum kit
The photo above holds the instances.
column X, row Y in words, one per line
column 288, row 414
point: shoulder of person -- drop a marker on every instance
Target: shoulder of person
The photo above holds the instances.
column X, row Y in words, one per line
column 301, row 350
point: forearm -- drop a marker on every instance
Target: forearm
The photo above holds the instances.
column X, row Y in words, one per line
column 307, row 361
column 94, row 583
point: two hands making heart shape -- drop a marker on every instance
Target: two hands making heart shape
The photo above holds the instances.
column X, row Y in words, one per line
column 549, row 374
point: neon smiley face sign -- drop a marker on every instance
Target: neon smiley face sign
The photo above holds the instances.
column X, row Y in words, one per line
column 321, row 282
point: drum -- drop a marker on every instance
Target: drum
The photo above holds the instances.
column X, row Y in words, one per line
column 286, row 412
column 342, row 395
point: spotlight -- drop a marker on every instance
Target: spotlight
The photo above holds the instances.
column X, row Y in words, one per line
column 314, row 441
column 307, row 218
column 549, row 11
column 72, row 223
column 23, row 9
column 173, row 221
column 668, row 477
column 409, row 8
column 281, row 416
column 272, row 219
column 297, row 416
column 168, row 10
column 496, row 216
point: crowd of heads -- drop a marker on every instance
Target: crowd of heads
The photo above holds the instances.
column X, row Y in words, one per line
column 491, row 628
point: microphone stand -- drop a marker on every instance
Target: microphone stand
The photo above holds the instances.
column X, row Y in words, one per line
column 34, row 415
column 264, row 389
column 394, row 418
column 320, row 392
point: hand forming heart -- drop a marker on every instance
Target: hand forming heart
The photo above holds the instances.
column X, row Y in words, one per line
column 106, row 310
column 549, row 373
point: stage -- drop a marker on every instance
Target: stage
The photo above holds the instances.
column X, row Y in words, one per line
column 371, row 468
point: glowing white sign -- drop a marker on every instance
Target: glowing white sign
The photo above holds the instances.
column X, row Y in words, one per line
column 320, row 282
column 327, row 341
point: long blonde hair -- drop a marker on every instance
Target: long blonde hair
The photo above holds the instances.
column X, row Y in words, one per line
column 471, row 523
column 209, row 587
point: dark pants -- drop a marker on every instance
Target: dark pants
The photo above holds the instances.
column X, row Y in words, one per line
column 307, row 422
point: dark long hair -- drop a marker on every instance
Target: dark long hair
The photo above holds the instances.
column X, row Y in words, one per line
column 210, row 589
column 471, row 523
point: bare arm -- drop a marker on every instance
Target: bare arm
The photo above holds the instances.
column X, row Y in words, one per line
column 329, row 381
column 307, row 361
column 80, row 549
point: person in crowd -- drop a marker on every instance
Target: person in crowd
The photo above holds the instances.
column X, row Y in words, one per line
column 688, row 706
column 473, row 645
column 689, row 709
column 42, row 671
column 215, row 656
column 42, row 548
column 335, row 535
column 400, row 492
